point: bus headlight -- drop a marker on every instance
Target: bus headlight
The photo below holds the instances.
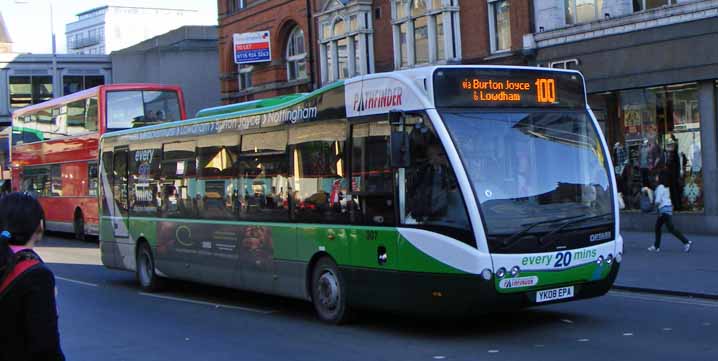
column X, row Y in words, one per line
column 609, row 259
column 501, row 272
column 486, row 274
column 599, row 261
column 515, row 271
column 619, row 257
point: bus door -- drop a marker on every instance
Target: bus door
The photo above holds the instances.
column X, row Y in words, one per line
column 119, row 210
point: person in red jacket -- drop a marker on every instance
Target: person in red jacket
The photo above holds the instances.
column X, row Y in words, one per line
column 28, row 313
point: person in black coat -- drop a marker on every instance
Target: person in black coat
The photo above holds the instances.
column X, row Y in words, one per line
column 28, row 330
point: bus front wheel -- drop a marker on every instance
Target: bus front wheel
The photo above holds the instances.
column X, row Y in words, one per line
column 145, row 269
column 329, row 292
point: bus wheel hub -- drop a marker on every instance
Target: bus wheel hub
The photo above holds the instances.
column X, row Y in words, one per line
column 328, row 290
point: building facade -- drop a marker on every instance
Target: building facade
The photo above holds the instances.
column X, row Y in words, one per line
column 289, row 32
column 186, row 57
column 316, row 42
column 652, row 73
column 105, row 29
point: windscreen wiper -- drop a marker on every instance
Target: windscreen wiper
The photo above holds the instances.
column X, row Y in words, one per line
column 568, row 223
column 529, row 226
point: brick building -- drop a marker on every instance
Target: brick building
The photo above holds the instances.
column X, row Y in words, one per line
column 289, row 70
column 315, row 42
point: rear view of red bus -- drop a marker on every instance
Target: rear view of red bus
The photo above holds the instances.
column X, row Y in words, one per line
column 54, row 146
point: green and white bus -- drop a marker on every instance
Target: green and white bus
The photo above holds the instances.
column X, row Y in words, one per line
column 448, row 190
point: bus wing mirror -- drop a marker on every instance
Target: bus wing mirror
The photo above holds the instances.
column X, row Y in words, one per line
column 400, row 153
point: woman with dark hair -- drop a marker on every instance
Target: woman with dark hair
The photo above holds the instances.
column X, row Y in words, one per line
column 28, row 330
column 662, row 200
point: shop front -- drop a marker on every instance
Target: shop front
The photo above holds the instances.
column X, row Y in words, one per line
column 655, row 95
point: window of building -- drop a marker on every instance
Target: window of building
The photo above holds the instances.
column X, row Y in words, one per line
column 28, row 90
column 500, row 25
column 426, row 31
column 235, row 5
column 656, row 132
column 296, row 55
column 640, row 5
column 345, row 46
column 244, row 78
column 581, row 11
column 319, row 184
column 75, row 83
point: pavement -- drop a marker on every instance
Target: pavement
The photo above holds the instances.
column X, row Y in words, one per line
column 670, row 271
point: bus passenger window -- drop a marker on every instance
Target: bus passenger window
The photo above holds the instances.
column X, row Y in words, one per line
column 372, row 182
column 217, row 170
column 144, row 179
column 263, row 193
column 433, row 197
column 319, row 185
column 178, row 172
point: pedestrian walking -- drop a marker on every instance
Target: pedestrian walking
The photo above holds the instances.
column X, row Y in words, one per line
column 665, row 215
column 28, row 313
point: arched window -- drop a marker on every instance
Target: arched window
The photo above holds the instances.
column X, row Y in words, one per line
column 296, row 55
column 345, row 43
column 422, row 28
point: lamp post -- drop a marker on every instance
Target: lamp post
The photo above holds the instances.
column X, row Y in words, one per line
column 54, row 49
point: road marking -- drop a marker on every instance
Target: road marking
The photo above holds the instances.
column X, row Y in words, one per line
column 439, row 357
column 628, row 334
column 215, row 305
column 665, row 299
column 493, row 351
column 667, row 329
column 76, row 281
column 583, row 340
column 564, row 320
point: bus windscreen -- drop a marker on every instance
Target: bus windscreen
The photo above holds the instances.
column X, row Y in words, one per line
column 516, row 88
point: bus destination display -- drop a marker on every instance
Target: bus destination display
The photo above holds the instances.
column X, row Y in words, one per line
column 517, row 88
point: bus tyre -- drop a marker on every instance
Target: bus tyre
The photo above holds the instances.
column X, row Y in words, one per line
column 78, row 226
column 329, row 292
column 145, row 269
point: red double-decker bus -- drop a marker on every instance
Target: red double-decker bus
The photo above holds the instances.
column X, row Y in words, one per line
column 54, row 146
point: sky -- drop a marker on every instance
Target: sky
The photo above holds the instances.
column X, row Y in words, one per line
column 28, row 21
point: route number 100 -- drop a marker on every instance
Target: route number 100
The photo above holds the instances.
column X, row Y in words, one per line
column 545, row 90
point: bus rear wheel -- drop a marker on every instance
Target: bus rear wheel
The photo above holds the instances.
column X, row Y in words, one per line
column 145, row 269
column 329, row 292
column 78, row 226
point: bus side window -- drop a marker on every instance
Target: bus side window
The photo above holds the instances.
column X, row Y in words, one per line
column 319, row 185
column 217, row 172
column 92, row 179
column 433, row 198
column 262, row 194
column 178, row 174
column 144, row 179
column 372, row 183
column 91, row 115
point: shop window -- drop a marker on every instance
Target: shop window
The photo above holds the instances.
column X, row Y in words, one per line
column 296, row 55
column 581, row 11
column 500, row 25
column 319, row 184
column 421, row 29
column 657, row 131
column 640, row 5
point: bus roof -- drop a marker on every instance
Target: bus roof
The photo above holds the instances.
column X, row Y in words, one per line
column 416, row 81
column 252, row 104
column 93, row 91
